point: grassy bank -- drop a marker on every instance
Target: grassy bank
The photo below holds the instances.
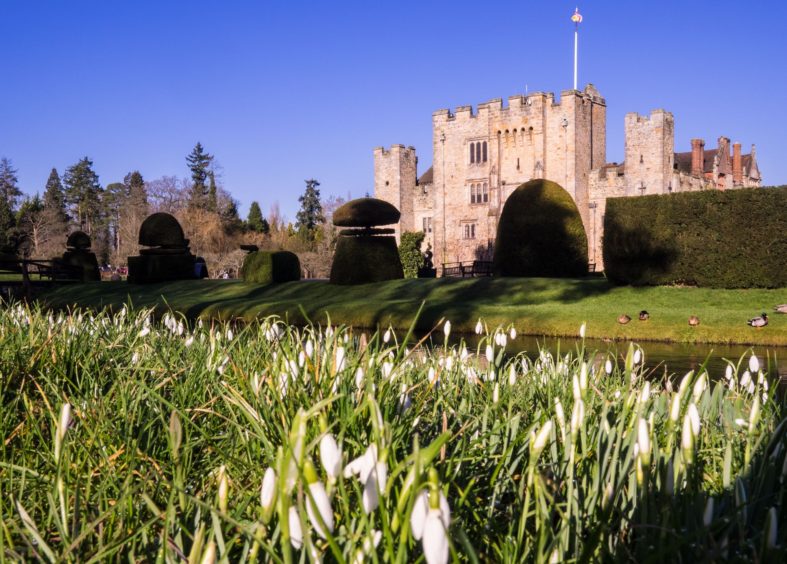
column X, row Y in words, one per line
column 535, row 306
column 139, row 441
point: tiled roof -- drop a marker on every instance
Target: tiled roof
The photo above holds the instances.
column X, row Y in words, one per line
column 427, row 177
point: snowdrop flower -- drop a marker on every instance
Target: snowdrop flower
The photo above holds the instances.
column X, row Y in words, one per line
column 675, row 408
column 431, row 375
column 478, row 327
column 577, row 416
column 490, row 353
column 496, row 393
column 540, row 440
column 694, row 418
column 728, row 372
column 230, row 334
column 145, row 332
column 62, row 426
column 643, row 441
column 699, row 386
column 189, row 341
column 330, row 456
column 582, row 329
column 576, row 387
column 463, row 354
column 687, row 439
column 754, row 364
column 317, row 502
column 561, row 417
column 375, row 484
column 296, row 532
column 387, row 368
column 645, row 394
column 268, row 494
column 339, row 359
column 387, row 336
column 745, row 379
column 740, row 422
column 511, row 375
column 369, row 544
column 608, row 367
column 135, row 357
column 447, row 328
column 637, row 355
column 421, row 509
column 404, row 399
column 512, row 333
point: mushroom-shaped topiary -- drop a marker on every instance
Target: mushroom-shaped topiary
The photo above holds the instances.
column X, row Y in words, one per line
column 162, row 230
column 366, row 212
column 263, row 267
column 540, row 233
column 367, row 254
column 78, row 240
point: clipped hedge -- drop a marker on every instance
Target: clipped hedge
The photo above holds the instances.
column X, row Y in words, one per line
column 540, row 233
column 366, row 212
column 360, row 260
column 714, row 239
column 147, row 269
column 264, row 267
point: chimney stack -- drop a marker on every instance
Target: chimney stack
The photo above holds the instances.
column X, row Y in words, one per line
column 697, row 157
column 737, row 165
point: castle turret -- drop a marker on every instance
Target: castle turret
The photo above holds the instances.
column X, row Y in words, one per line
column 395, row 181
column 650, row 152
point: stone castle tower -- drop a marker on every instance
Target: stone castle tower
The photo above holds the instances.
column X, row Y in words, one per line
column 480, row 157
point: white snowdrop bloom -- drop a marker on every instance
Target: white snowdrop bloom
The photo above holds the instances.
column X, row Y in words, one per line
column 576, row 387
column 561, row 415
column 541, row 438
column 318, row 503
column 362, row 465
column 577, row 416
column 740, row 422
column 490, row 377
column 301, row 359
column 582, row 329
column 435, row 540
column 268, row 489
column 309, row 348
column 387, row 368
column 699, row 386
column 511, row 375
column 145, row 332
column 340, row 359
column 694, row 418
column 359, row 377
column 583, row 376
column 374, row 485
column 330, row 456
column 675, row 408
column 189, row 341
column 754, row 364
column 728, row 372
column 369, row 544
column 637, row 355
column 135, row 357
column 512, row 333
column 447, row 328
column 496, row 393
column 449, row 362
column 296, row 532
column 490, row 353
column 608, row 367
column 421, row 509
column 479, row 327
column 750, row 388
column 643, row 439
column 230, row 334
column 404, row 399
column 387, row 336
column 745, row 379
column 645, row 394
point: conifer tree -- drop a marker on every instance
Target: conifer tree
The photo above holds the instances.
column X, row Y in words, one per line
column 213, row 201
column 198, row 161
column 137, row 194
column 310, row 215
column 9, row 189
column 83, row 193
column 54, row 198
column 255, row 222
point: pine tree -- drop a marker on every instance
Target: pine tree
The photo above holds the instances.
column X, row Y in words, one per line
column 310, row 215
column 54, row 198
column 137, row 194
column 198, row 161
column 9, row 190
column 83, row 193
column 6, row 224
column 213, row 201
column 255, row 222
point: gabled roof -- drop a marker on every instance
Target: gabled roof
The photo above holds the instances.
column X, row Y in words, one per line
column 427, row 177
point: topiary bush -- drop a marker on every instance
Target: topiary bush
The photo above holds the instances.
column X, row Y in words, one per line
column 540, row 233
column 366, row 212
column 410, row 252
column 147, row 269
column 361, row 260
column 264, row 267
column 78, row 240
column 715, row 239
column 161, row 230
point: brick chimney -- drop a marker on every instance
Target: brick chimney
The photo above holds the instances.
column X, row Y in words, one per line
column 697, row 156
column 737, row 165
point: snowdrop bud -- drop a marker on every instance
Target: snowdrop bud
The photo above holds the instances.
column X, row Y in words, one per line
column 435, row 540
column 707, row 516
column 684, row 382
column 687, row 440
column 645, row 394
column 296, row 532
column 512, row 333
column 330, row 456
column 301, row 359
column 754, row 364
column 189, row 341
column 309, row 348
column 608, row 367
column 319, row 504
column 643, row 440
column 490, row 353
column 224, row 489
column 431, row 375
column 754, row 415
column 541, row 439
column 561, row 417
column 637, row 355
column 699, row 386
column 496, row 393
column 582, row 330
column 577, row 387
column 268, row 494
column 503, row 340
column 511, row 375
column 145, row 332
column 387, row 336
column 358, row 377
column 745, row 379
column 479, row 327
column 583, row 376
column 135, row 357
column 62, row 427
column 339, row 359
column 387, row 368
column 447, row 328
column 675, row 408
column 728, row 372
column 694, row 419
column 577, row 416
column 374, row 486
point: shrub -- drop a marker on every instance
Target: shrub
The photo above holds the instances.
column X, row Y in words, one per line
column 410, row 252
column 83, row 262
column 365, row 212
column 78, row 240
column 146, row 269
column 716, row 239
column 161, row 229
column 264, row 267
column 360, row 260
column 540, row 233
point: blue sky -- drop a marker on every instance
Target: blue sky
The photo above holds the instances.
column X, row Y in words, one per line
column 284, row 91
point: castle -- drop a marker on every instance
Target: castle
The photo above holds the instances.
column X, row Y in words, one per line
column 480, row 157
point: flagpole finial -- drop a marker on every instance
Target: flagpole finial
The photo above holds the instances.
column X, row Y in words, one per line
column 576, row 17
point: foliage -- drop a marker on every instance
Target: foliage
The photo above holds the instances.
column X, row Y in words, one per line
column 147, row 269
column 310, row 215
column 199, row 162
column 540, row 233
column 263, row 267
column 9, row 187
column 718, row 239
column 163, row 433
column 54, row 197
column 255, row 222
column 83, row 193
column 366, row 212
column 365, row 259
column 410, row 252
column 162, row 230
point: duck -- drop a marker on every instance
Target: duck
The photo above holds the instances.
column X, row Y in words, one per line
column 644, row 315
column 781, row 308
column 760, row 321
column 623, row 319
column 694, row 320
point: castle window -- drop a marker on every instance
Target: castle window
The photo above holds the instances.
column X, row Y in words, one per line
column 472, row 153
column 427, row 223
column 478, row 152
column 468, row 230
column 484, row 155
column 485, row 193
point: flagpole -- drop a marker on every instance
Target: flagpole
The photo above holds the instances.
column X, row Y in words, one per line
column 577, row 19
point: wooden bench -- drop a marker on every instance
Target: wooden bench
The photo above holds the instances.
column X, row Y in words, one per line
column 467, row 269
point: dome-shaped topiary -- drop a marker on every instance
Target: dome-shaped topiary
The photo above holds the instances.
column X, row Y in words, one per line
column 78, row 240
column 540, row 233
column 162, row 230
column 360, row 260
column 366, row 212
column 262, row 267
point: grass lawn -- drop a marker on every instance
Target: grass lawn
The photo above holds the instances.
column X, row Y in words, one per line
column 535, row 306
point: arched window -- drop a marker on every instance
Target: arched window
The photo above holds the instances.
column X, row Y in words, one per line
column 472, row 153
column 484, row 152
column 478, row 152
column 486, row 193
